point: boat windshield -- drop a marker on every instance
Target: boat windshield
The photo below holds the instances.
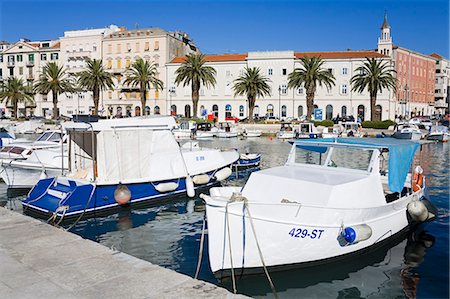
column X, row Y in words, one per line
column 350, row 158
column 50, row 136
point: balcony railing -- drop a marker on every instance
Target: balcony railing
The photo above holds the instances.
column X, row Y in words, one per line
column 30, row 77
column 30, row 63
column 440, row 104
column 11, row 63
column 83, row 54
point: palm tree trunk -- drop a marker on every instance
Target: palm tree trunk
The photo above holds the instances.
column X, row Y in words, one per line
column 143, row 100
column 195, row 97
column 96, row 97
column 373, row 103
column 15, row 104
column 55, row 105
column 309, row 105
column 251, row 106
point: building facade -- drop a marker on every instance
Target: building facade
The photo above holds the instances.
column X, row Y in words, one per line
column 25, row 60
column 122, row 48
column 415, row 74
column 441, row 93
column 283, row 102
column 77, row 46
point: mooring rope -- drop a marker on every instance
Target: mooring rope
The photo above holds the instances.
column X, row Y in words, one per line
column 233, row 278
column 200, row 253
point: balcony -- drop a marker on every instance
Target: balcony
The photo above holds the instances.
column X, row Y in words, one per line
column 30, row 77
column 79, row 54
column 11, row 63
column 30, row 63
column 440, row 104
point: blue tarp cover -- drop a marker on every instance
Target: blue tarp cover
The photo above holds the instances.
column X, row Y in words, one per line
column 401, row 154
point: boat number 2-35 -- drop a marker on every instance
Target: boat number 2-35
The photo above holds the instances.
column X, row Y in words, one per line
column 303, row 233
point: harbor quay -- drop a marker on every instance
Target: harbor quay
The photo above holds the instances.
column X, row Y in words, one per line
column 38, row 260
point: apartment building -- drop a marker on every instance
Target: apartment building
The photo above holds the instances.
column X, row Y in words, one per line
column 282, row 102
column 415, row 74
column 442, row 85
column 122, row 48
column 25, row 60
column 77, row 46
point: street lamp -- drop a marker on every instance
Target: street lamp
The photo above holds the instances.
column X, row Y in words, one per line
column 171, row 93
column 78, row 103
column 279, row 102
column 406, row 100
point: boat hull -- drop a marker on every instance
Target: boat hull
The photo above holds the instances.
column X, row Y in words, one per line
column 408, row 135
column 25, row 177
column 439, row 137
column 302, row 234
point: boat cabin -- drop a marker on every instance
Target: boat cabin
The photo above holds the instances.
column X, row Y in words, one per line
column 204, row 127
column 286, row 127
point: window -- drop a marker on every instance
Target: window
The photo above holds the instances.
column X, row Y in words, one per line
column 11, row 71
column 54, row 56
column 138, row 47
column 215, row 110
column 118, row 48
column 256, row 111
column 300, row 111
column 300, row 90
column 20, row 70
column 109, row 64
column 45, row 45
column 270, row 110
column 284, row 72
column 1, row 58
column 110, row 95
column 31, row 57
column 284, row 89
column 147, row 46
column 241, row 111
column 127, row 63
column 329, row 112
column 330, row 71
column 270, row 72
column 283, row 111
column 109, row 49
column 344, row 71
column 19, row 58
column 227, row 110
column 344, row 111
column 119, row 63
column 156, row 48
column 344, row 89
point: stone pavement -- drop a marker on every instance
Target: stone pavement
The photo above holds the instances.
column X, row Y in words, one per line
column 38, row 260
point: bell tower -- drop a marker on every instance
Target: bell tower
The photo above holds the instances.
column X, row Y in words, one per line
column 385, row 40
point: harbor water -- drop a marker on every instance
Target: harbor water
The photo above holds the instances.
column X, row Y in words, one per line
column 415, row 265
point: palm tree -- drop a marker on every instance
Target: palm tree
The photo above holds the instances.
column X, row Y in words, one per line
column 144, row 75
column 310, row 74
column 253, row 85
column 54, row 79
column 194, row 71
column 95, row 79
column 15, row 92
column 374, row 75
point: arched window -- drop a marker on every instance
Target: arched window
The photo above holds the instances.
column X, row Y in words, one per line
column 187, row 111
column 147, row 110
column 300, row 111
column 128, row 110
column 329, row 112
column 256, row 111
column 270, row 110
column 203, row 111
column 378, row 112
column 283, row 111
column 361, row 112
column 241, row 111
column 227, row 111
column 316, row 107
column 215, row 110
column 173, row 110
column 137, row 111
column 119, row 112
column 157, row 110
column 344, row 111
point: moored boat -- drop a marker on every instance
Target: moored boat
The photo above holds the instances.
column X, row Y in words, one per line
column 251, row 133
column 311, row 209
column 126, row 162
column 226, row 130
column 286, row 131
column 439, row 133
column 307, row 130
column 248, row 160
column 407, row 131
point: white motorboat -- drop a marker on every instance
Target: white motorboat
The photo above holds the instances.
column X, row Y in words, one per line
column 226, row 130
column 352, row 129
column 6, row 137
column 251, row 133
column 311, row 210
column 185, row 130
column 333, row 132
column 407, row 131
column 426, row 122
column 307, row 130
column 439, row 133
column 286, row 131
column 40, row 164
column 204, row 131
column 126, row 162
column 29, row 127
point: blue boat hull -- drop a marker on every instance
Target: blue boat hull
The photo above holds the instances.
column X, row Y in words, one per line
column 246, row 163
column 51, row 197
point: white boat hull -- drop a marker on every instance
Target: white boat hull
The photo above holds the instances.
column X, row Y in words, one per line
column 226, row 134
column 286, row 135
column 301, row 233
column 21, row 177
column 203, row 135
column 252, row 133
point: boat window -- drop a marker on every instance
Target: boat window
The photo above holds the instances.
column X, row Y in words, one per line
column 342, row 157
column 44, row 136
column 16, row 150
column 56, row 137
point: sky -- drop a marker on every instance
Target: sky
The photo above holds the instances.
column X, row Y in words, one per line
column 241, row 26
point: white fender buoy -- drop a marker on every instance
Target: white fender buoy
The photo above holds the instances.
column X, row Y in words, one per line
column 357, row 233
column 418, row 211
column 166, row 187
column 190, row 187
column 223, row 174
column 122, row 195
column 201, row 179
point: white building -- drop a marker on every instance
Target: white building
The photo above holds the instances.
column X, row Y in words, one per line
column 25, row 60
column 283, row 102
column 76, row 47
column 441, row 92
column 122, row 48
